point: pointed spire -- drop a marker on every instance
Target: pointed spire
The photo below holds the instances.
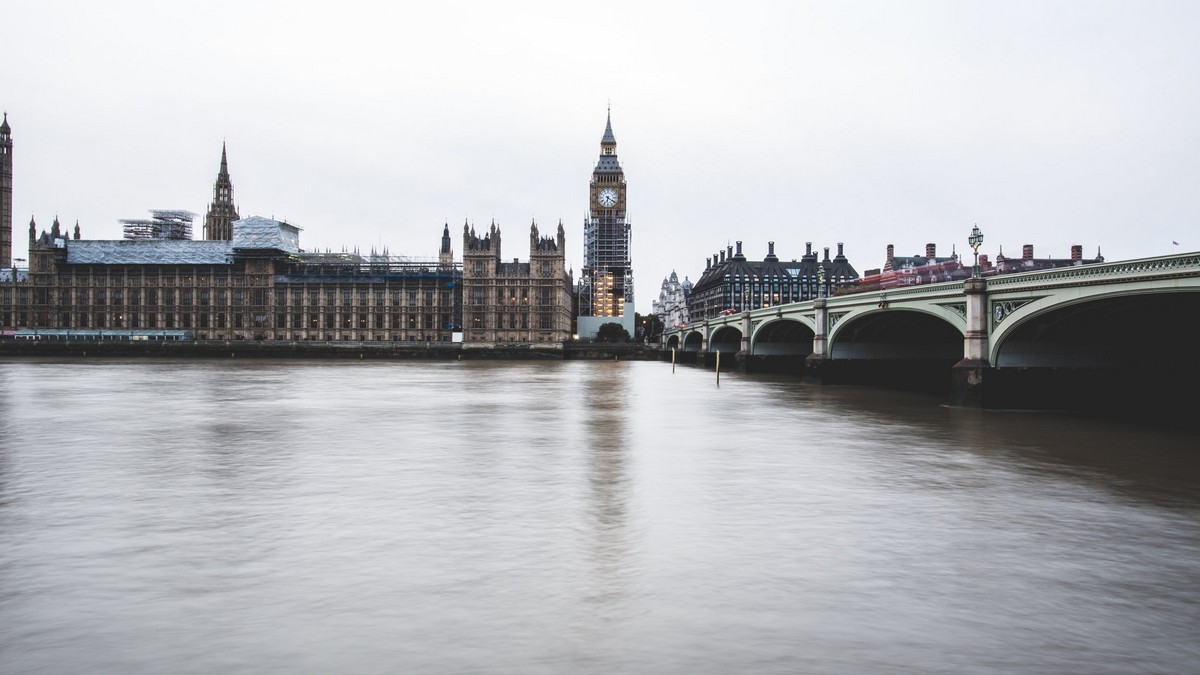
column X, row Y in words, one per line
column 608, row 139
column 222, row 211
column 4, row 128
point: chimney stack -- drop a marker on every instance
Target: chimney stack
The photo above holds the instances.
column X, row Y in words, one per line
column 1027, row 252
column 1077, row 253
column 931, row 251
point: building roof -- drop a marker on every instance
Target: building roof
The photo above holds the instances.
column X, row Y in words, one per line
column 608, row 164
column 736, row 265
column 257, row 232
column 249, row 234
column 609, row 139
column 148, row 252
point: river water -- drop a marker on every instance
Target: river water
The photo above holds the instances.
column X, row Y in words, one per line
column 575, row 517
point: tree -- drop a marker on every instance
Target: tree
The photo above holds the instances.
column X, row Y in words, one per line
column 612, row 332
column 651, row 326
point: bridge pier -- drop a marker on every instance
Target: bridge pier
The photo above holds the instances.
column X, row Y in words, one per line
column 967, row 379
column 968, row 376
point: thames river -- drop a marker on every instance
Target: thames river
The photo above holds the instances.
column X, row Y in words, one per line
column 161, row 516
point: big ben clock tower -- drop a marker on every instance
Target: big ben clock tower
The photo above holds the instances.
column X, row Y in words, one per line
column 606, row 293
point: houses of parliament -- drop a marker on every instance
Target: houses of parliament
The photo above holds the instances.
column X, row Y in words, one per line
column 248, row 278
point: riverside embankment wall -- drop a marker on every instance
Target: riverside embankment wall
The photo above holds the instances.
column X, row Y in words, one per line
column 266, row 349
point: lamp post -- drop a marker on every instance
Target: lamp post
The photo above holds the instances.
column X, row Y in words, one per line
column 820, row 281
column 975, row 240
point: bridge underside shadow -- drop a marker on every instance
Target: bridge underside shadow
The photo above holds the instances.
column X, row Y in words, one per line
column 1131, row 357
column 780, row 347
column 899, row 349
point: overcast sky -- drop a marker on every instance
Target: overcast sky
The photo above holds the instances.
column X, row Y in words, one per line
column 373, row 124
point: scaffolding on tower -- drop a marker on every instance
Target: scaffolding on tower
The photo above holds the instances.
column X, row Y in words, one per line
column 163, row 224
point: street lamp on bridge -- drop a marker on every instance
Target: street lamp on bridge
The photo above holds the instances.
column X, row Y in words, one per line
column 975, row 240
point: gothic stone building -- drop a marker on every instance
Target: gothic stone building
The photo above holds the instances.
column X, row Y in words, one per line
column 515, row 302
column 258, row 285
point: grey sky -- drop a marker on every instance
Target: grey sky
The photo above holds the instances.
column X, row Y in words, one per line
column 868, row 123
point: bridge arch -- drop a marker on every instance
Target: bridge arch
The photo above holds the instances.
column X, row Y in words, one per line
column 672, row 342
column 782, row 337
column 727, row 339
column 1147, row 329
column 897, row 334
column 693, row 341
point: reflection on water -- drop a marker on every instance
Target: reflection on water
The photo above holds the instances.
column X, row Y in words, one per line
column 164, row 516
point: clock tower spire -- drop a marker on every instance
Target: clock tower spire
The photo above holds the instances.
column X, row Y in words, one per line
column 606, row 292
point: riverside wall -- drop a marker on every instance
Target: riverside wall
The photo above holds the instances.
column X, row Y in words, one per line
column 277, row 349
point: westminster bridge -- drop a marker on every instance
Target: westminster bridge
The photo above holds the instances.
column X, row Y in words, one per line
column 1112, row 336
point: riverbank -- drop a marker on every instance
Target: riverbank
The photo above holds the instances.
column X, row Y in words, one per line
column 252, row 349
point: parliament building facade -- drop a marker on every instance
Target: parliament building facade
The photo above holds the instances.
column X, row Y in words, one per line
column 249, row 279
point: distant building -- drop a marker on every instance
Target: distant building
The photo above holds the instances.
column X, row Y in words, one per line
column 671, row 307
column 1028, row 263
column 731, row 283
column 515, row 302
column 900, row 271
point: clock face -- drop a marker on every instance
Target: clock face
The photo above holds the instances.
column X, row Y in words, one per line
column 608, row 197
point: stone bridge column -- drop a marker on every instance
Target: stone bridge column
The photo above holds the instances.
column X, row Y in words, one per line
column 814, row 365
column 968, row 375
column 745, row 347
column 820, row 339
